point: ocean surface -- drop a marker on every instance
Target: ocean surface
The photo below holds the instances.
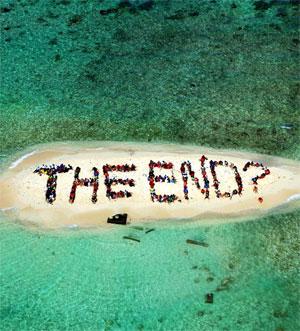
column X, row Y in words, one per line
column 220, row 73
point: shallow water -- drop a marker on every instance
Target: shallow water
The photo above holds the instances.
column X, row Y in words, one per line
column 215, row 73
column 89, row 280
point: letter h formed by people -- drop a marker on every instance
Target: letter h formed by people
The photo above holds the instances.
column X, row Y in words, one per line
column 94, row 182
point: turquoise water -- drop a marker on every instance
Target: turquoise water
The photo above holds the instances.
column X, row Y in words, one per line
column 214, row 73
column 88, row 280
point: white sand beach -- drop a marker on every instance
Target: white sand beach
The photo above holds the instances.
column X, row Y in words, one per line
column 22, row 192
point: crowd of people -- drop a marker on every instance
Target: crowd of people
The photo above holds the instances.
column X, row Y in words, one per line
column 185, row 169
column 204, row 190
column 120, row 167
column 114, row 181
column 266, row 172
column 94, row 182
column 54, row 168
column 238, row 179
column 256, row 178
column 152, row 179
column 184, row 174
column 52, row 171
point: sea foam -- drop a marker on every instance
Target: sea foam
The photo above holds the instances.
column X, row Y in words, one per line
column 21, row 159
column 73, row 226
column 7, row 209
column 293, row 197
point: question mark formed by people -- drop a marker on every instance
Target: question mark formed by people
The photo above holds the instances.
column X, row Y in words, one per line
column 265, row 173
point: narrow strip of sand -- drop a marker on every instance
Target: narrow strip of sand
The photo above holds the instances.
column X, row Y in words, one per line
column 181, row 182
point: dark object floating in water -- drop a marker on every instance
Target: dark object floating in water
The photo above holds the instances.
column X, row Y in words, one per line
column 196, row 242
column 140, row 228
column 149, row 230
column 131, row 238
column 118, row 219
column 209, row 298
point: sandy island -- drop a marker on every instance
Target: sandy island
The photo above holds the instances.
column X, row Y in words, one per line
column 22, row 192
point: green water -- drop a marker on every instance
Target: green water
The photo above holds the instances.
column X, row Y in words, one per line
column 94, row 281
column 215, row 73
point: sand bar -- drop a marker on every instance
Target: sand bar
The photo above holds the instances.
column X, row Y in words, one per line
column 22, row 192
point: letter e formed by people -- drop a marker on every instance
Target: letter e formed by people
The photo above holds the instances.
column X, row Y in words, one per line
column 109, row 182
column 152, row 179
